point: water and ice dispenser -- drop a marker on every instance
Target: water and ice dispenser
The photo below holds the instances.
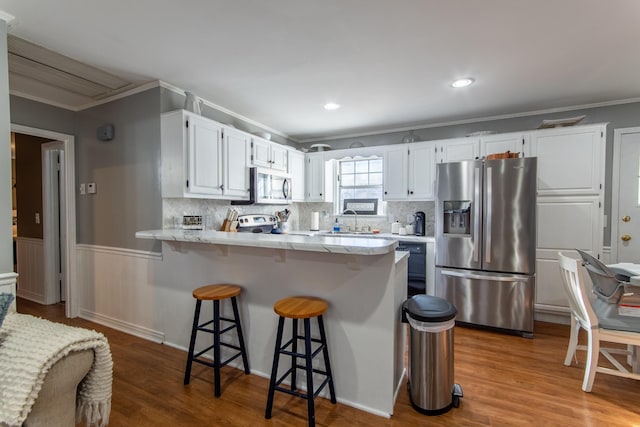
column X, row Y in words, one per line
column 457, row 217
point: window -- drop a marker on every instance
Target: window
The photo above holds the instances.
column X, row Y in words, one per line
column 360, row 179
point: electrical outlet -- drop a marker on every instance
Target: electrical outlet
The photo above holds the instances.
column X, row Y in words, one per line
column 91, row 188
column 83, row 190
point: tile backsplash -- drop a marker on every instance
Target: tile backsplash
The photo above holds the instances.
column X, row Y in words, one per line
column 300, row 219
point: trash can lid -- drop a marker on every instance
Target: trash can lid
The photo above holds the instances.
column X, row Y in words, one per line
column 427, row 308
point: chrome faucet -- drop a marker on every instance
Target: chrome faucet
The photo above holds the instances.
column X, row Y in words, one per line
column 355, row 218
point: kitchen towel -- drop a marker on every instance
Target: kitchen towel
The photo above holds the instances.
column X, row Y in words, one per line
column 315, row 221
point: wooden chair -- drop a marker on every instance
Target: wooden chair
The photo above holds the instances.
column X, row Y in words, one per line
column 601, row 324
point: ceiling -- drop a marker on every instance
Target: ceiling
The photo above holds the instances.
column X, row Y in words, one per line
column 389, row 64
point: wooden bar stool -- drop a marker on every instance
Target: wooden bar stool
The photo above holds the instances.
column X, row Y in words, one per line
column 301, row 308
column 216, row 293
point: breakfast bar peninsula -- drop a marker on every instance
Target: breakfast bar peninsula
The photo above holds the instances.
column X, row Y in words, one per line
column 364, row 281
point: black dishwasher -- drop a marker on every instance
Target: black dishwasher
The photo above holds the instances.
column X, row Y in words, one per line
column 417, row 266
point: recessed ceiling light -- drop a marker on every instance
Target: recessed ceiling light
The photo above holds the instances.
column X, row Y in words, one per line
column 331, row 106
column 467, row 81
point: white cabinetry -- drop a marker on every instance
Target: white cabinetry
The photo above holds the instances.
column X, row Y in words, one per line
column 196, row 158
column 396, row 162
column 569, row 205
column 513, row 142
column 409, row 171
column 235, row 180
column 458, row 149
column 296, row 170
column 268, row 154
column 570, row 160
column 319, row 178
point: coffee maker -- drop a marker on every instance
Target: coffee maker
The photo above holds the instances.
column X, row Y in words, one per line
column 420, row 225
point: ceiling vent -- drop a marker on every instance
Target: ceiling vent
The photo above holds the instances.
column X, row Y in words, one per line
column 42, row 73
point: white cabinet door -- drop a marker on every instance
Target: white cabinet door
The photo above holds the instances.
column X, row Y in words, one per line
column 569, row 160
column 422, row 171
column 315, row 179
column 564, row 224
column 260, row 152
column 268, row 154
column 513, row 142
column 236, row 172
column 205, row 156
column 279, row 157
column 458, row 149
column 396, row 172
column 296, row 170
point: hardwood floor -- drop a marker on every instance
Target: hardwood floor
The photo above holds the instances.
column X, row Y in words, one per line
column 506, row 380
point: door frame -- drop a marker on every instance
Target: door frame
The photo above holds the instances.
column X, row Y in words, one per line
column 68, row 241
column 615, row 186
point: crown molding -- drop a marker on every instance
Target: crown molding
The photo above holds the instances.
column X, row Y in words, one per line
column 476, row 120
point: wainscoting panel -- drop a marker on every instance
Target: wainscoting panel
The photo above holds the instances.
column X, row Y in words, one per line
column 30, row 254
column 116, row 289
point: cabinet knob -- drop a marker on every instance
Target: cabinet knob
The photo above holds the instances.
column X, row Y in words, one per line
column 626, row 218
column 385, row 192
column 410, row 192
column 321, row 194
column 625, row 237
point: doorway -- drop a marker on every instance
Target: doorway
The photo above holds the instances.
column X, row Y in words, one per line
column 59, row 229
column 625, row 206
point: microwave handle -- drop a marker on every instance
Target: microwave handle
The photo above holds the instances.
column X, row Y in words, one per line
column 285, row 188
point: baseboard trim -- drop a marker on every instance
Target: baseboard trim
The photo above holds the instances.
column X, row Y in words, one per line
column 552, row 314
column 126, row 327
column 31, row 296
column 120, row 251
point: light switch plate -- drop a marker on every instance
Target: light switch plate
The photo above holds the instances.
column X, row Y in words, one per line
column 91, row 188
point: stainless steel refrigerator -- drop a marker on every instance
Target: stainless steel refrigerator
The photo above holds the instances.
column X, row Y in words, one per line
column 486, row 241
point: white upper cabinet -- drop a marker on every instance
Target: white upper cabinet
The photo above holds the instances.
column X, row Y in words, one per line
column 422, row 170
column 319, row 178
column 236, row 173
column 570, row 160
column 268, row 154
column 409, row 171
column 396, row 162
column 458, row 149
column 296, row 170
column 199, row 160
column 514, row 142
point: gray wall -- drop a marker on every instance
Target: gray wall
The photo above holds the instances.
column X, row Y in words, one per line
column 126, row 171
column 41, row 116
column 173, row 101
column 617, row 116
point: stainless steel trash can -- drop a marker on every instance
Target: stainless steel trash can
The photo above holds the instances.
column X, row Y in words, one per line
column 432, row 389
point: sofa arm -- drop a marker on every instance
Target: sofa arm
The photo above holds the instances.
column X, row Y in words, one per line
column 56, row 402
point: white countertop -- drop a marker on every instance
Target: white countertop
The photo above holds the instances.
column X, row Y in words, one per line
column 356, row 245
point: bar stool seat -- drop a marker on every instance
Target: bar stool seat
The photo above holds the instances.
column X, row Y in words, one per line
column 216, row 293
column 305, row 308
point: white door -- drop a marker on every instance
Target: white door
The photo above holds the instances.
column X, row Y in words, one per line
column 626, row 220
column 236, row 173
column 205, row 156
column 422, row 171
column 395, row 172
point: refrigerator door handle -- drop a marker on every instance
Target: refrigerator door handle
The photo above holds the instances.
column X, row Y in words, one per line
column 476, row 213
column 485, row 277
column 488, row 204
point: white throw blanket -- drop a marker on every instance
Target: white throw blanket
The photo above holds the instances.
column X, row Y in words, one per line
column 29, row 347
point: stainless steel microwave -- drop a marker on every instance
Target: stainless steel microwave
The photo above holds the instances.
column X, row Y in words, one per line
column 267, row 187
